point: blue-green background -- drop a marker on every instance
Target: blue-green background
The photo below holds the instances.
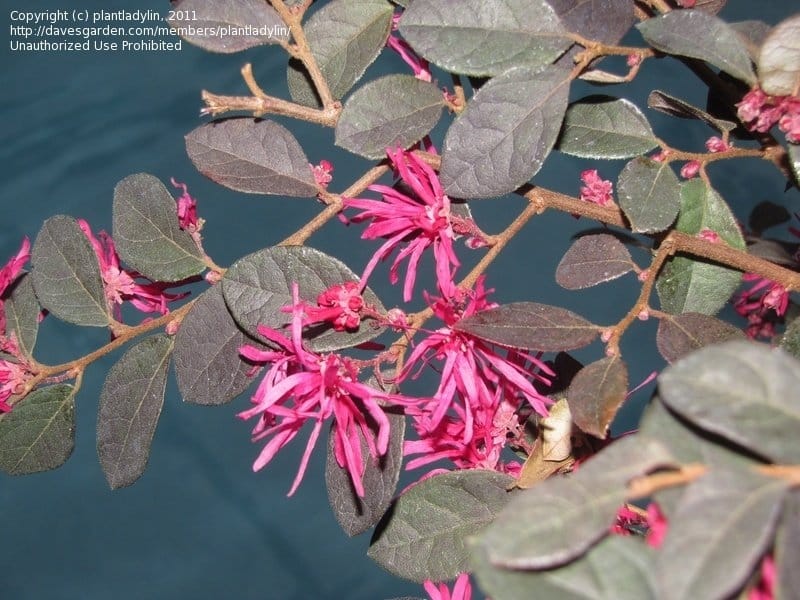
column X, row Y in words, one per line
column 200, row 524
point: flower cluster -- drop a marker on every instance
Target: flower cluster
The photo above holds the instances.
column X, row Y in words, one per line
column 462, row 589
column 759, row 303
column 760, row 112
column 595, row 189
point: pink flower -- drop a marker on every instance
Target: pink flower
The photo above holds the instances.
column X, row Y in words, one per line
column 765, row 588
column 687, row 3
column 420, row 221
column 120, row 285
column 789, row 122
column 760, row 112
column 709, row 235
column 462, row 590
column 8, row 275
column 340, row 305
column 690, row 169
column 301, row 386
column 322, row 173
column 187, row 209
column 419, row 65
column 717, row 144
column 756, row 304
column 657, row 526
column 596, row 189
column 476, row 380
column 628, row 522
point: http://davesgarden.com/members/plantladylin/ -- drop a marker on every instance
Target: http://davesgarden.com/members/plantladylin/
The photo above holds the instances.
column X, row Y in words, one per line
column 521, row 491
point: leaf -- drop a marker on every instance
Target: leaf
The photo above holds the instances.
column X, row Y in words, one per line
column 147, row 234
column 130, row 406
column 776, row 251
column 605, row 21
column 600, row 76
column 596, row 394
column 676, row 107
column 489, row 152
column 793, row 152
column 472, row 37
column 257, row 157
column 742, row 391
column 779, row 59
column 678, row 335
column 752, row 33
column 712, row 7
column 396, row 110
column 258, row 286
column 649, row 194
column 766, row 214
column 556, row 433
column 618, row 568
column 66, row 275
column 208, row 367
column 787, row 549
column 697, row 34
column 39, row 434
column 530, row 326
column 605, row 127
column 690, row 285
column 561, row 518
column 354, row 514
column 249, row 23
column 423, row 536
column 345, row 37
column 22, row 310
column 593, row 259
column 722, row 526
column 537, row 467
column 790, row 340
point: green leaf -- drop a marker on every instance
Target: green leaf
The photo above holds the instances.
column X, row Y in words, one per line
column 605, row 127
column 259, row 285
column 255, row 23
column 530, row 326
column 246, row 155
column 743, row 391
column 39, row 434
column 345, row 36
column 593, row 259
column 649, row 194
column 779, row 59
column 617, row 568
column 561, row 518
column 790, row 341
column 676, row 107
column 697, row 34
column 766, row 214
column 354, row 514
column 475, row 37
column 690, row 285
column 489, row 152
column 596, row 394
column 722, row 526
column 424, row 534
column 207, row 362
column 787, row 549
column 66, row 275
column 22, row 313
column 147, row 234
column 130, row 406
column 678, row 335
column 396, row 110
column 605, row 21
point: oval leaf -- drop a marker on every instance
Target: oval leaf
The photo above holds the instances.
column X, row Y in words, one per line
column 790, row 340
column 424, row 535
column 473, row 38
column 787, row 549
column 207, row 362
column 22, row 313
column 676, row 107
column 39, row 434
column 530, row 326
column 697, row 34
column 345, row 36
column 678, row 335
column 649, row 194
column 66, row 274
column 147, row 234
column 489, row 152
column 258, row 286
column 593, row 259
column 605, row 127
column 779, row 59
column 689, row 285
column 596, row 394
column 559, row 519
column 722, row 526
column 130, row 405
column 354, row 514
column 258, row 157
column 743, row 391
column 605, row 21
column 250, row 23
column 396, row 110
